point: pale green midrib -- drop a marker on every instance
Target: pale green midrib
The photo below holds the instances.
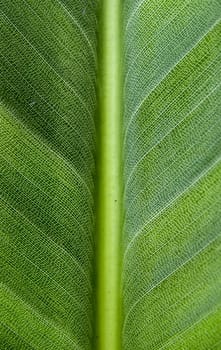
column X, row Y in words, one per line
column 109, row 201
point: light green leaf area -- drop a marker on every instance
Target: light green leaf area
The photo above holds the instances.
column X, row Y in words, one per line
column 172, row 145
column 47, row 146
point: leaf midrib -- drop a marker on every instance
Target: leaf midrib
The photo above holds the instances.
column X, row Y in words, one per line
column 109, row 203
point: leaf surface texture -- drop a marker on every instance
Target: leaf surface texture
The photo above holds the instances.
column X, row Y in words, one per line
column 48, row 101
column 50, row 119
column 172, row 90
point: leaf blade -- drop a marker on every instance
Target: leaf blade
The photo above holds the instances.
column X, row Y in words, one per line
column 47, row 113
column 172, row 151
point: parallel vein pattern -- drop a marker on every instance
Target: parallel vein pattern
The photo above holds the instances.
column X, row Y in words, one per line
column 47, row 146
column 172, row 149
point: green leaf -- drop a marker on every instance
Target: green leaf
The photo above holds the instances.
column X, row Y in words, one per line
column 48, row 94
column 110, row 149
column 172, row 127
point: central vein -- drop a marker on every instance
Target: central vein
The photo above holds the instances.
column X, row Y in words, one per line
column 109, row 207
